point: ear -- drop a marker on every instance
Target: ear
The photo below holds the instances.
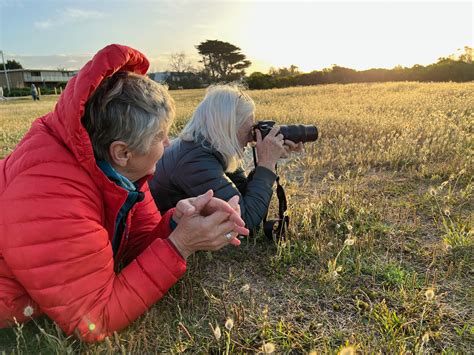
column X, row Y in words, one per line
column 119, row 153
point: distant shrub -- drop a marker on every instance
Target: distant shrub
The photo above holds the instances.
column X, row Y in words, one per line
column 16, row 92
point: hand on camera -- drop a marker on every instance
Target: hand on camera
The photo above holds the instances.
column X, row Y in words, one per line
column 270, row 149
column 292, row 147
column 206, row 223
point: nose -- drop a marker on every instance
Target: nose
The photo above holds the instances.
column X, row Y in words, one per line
column 166, row 141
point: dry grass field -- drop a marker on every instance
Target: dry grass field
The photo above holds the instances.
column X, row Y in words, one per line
column 380, row 254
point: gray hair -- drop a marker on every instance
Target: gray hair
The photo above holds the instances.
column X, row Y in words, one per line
column 127, row 107
column 218, row 118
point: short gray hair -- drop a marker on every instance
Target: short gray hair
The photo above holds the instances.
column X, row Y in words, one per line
column 218, row 118
column 127, row 107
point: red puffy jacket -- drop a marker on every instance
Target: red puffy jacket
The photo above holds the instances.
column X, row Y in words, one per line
column 57, row 219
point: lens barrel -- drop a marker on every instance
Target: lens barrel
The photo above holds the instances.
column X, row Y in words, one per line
column 299, row 133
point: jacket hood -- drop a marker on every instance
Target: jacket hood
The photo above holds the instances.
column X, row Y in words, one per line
column 65, row 121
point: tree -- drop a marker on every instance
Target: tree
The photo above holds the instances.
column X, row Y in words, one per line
column 467, row 56
column 179, row 63
column 339, row 74
column 13, row 64
column 259, row 80
column 282, row 72
column 222, row 60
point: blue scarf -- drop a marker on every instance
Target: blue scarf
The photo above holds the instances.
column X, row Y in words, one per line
column 134, row 196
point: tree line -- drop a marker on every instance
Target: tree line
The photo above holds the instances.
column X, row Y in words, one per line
column 224, row 62
column 459, row 69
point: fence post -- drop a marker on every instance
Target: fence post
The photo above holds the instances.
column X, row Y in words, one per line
column 39, row 91
column 55, row 91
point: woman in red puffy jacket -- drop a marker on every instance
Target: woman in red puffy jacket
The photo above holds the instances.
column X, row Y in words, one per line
column 81, row 239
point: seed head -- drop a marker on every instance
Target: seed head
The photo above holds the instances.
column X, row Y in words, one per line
column 347, row 350
column 245, row 288
column 426, row 337
column 268, row 348
column 28, row 311
column 229, row 324
column 216, row 331
column 429, row 294
column 349, row 241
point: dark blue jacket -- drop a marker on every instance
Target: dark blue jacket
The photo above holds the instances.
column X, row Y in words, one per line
column 188, row 169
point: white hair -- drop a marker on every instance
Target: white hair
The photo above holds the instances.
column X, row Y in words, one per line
column 218, row 118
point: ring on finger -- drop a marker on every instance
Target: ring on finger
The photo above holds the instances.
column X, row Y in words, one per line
column 228, row 236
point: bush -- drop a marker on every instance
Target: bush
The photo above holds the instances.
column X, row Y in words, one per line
column 259, row 80
column 16, row 92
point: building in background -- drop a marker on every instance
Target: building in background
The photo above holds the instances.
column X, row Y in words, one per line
column 178, row 80
column 23, row 78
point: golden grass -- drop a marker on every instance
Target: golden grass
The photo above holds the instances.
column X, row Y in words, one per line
column 380, row 251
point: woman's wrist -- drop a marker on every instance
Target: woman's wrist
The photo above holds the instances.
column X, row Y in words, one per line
column 185, row 253
column 269, row 165
column 175, row 218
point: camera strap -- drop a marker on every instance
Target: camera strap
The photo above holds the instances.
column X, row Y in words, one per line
column 275, row 229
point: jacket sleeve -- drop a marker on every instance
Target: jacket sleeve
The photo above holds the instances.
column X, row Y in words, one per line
column 201, row 173
column 239, row 179
column 60, row 253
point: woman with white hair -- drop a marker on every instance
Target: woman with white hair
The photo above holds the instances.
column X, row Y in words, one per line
column 209, row 152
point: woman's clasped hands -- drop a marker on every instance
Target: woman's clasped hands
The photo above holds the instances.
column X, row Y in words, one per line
column 206, row 223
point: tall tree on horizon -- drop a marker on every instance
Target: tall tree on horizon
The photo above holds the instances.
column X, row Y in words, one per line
column 180, row 63
column 222, row 60
column 291, row 70
column 13, row 64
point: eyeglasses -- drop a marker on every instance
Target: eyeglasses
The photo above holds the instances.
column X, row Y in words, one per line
column 244, row 96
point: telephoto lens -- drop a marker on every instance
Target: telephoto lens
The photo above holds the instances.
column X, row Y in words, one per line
column 295, row 133
column 299, row 133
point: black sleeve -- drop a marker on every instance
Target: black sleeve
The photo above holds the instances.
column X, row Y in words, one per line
column 199, row 175
column 239, row 179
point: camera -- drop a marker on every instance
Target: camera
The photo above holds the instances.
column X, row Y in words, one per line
column 276, row 228
column 295, row 133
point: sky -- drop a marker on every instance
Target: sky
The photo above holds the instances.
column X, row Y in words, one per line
column 50, row 34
